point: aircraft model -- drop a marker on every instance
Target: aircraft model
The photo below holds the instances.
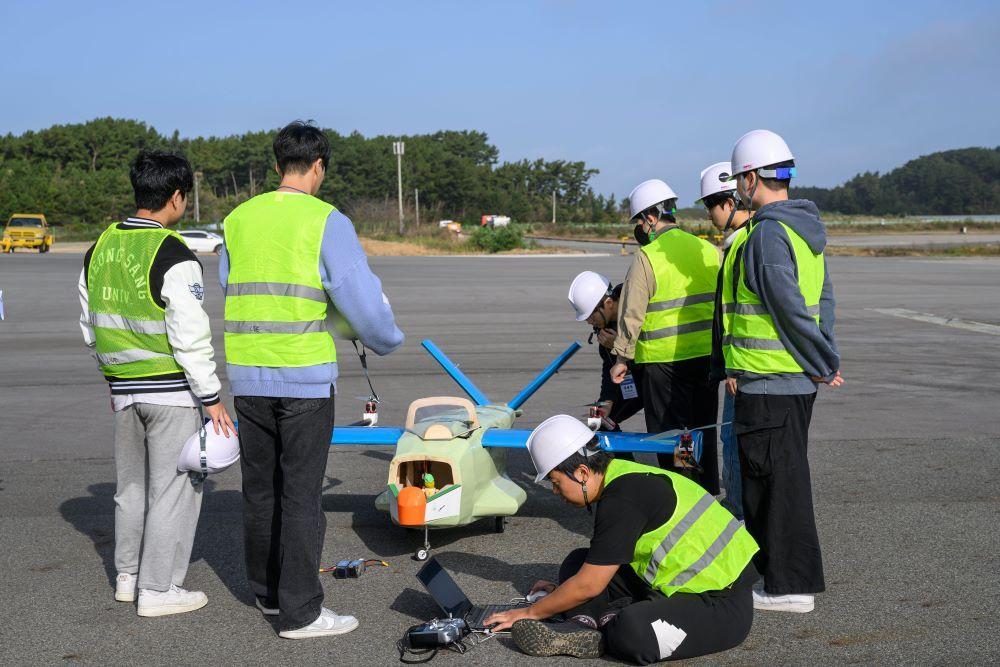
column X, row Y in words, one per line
column 450, row 464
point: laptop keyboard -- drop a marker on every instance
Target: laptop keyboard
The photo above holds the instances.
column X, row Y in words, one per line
column 479, row 614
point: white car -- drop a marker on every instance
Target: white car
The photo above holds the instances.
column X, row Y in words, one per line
column 201, row 241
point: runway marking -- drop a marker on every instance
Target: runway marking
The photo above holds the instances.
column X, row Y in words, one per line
column 968, row 325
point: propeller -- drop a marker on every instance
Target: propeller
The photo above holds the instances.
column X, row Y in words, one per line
column 666, row 435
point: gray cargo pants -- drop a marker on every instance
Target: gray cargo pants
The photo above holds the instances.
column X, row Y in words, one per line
column 156, row 508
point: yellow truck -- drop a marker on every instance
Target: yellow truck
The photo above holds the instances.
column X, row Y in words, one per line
column 27, row 230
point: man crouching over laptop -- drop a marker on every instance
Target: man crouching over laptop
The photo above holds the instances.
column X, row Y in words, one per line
column 668, row 574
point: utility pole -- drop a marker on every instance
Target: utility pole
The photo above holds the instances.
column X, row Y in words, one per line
column 416, row 199
column 197, row 207
column 397, row 150
column 553, row 207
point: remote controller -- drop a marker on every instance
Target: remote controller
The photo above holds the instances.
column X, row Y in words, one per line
column 438, row 632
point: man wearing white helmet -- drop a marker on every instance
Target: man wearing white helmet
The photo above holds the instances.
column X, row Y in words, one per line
column 778, row 343
column 596, row 303
column 665, row 323
column 727, row 212
column 668, row 574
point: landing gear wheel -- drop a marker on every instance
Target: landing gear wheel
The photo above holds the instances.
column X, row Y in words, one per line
column 498, row 526
column 422, row 554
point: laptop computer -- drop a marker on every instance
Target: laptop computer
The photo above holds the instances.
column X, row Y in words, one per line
column 453, row 601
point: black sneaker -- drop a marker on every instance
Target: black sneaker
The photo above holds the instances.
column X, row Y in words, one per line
column 547, row 639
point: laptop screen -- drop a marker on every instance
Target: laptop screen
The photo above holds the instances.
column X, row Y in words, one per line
column 443, row 589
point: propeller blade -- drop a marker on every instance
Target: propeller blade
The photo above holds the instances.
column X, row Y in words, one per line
column 666, row 435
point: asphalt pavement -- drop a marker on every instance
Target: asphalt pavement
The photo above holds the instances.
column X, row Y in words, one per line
column 904, row 460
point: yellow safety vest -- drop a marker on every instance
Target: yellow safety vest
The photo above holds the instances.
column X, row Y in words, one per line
column 702, row 547
column 275, row 302
column 678, row 323
column 750, row 341
column 130, row 332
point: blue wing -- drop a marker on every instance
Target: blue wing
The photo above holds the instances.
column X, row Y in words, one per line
column 611, row 441
column 365, row 435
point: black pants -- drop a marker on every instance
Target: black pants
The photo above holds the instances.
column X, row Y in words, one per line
column 284, row 444
column 772, row 433
column 714, row 621
column 680, row 395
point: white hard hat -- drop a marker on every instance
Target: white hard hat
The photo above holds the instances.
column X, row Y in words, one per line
column 555, row 440
column 586, row 292
column 715, row 179
column 647, row 194
column 759, row 148
column 220, row 451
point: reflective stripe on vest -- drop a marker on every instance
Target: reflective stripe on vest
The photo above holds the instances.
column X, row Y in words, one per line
column 278, row 289
column 678, row 322
column 276, row 305
column 702, row 547
column 129, row 330
column 750, row 340
column 109, row 321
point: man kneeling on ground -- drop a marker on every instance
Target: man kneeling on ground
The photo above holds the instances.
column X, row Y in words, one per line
column 668, row 574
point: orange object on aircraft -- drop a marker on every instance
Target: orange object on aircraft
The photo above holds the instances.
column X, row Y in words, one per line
column 411, row 504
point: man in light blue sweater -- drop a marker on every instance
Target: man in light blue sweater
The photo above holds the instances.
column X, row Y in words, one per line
column 289, row 257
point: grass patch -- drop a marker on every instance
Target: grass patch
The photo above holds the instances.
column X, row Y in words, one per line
column 976, row 250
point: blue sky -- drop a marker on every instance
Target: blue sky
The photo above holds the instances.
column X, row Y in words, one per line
column 636, row 89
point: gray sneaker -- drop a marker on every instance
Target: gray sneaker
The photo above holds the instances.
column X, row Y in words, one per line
column 125, row 587
column 176, row 600
column 547, row 639
column 264, row 609
column 326, row 625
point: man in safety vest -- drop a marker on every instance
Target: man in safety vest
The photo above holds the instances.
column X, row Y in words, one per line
column 288, row 257
column 665, row 323
column 668, row 574
column 596, row 303
column 141, row 292
column 777, row 340
column 727, row 214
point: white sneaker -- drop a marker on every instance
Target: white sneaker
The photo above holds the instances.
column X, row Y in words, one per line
column 267, row 611
column 799, row 604
column 327, row 624
column 174, row 601
column 125, row 587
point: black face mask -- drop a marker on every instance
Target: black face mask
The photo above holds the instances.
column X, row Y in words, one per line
column 640, row 234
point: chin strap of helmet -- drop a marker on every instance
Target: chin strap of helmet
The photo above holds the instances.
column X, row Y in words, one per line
column 197, row 478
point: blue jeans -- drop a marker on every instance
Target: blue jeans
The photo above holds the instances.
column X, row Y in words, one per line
column 731, row 460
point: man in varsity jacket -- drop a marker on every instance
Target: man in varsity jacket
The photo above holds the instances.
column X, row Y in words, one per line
column 141, row 295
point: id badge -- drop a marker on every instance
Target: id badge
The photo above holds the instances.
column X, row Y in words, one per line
column 628, row 388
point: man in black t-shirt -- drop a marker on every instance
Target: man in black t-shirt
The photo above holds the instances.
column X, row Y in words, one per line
column 596, row 303
column 668, row 574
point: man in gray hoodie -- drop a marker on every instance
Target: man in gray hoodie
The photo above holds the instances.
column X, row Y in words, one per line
column 777, row 342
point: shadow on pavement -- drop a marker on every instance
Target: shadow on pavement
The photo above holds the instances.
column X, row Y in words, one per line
column 219, row 540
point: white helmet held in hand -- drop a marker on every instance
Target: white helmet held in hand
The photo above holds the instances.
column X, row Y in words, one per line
column 760, row 148
column 648, row 194
column 586, row 293
column 555, row 440
column 715, row 179
column 220, row 451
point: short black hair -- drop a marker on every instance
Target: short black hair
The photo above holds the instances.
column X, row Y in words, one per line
column 598, row 459
column 668, row 206
column 616, row 292
column 156, row 176
column 298, row 145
